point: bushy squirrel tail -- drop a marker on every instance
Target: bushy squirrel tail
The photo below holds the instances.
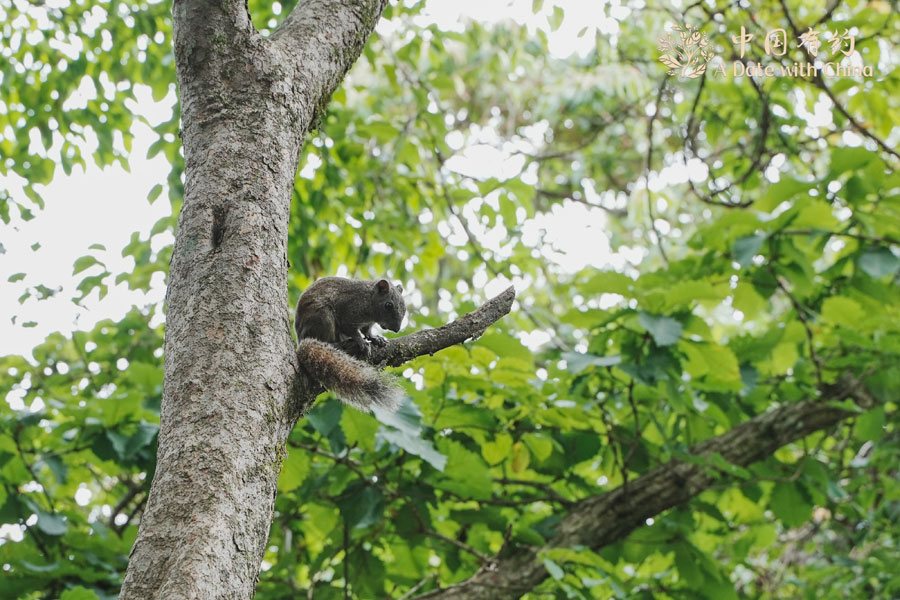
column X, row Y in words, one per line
column 356, row 383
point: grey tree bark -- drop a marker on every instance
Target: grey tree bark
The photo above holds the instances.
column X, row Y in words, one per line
column 231, row 393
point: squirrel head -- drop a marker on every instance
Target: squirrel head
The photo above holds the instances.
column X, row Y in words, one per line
column 389, row 305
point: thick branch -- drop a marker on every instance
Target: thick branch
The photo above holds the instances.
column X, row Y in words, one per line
column 323, row 38
column 202, row 26
column 407, row 347
column 428, row 341
column 205, row 17
column 599, row 521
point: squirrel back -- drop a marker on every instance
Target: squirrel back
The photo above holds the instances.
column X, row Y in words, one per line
column 334, row 310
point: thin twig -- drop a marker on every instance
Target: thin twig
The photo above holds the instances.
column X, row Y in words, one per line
column 425, row 530
column 804, row 320
column 30, row 470
column 556, row 496
column 134, row 489
column 417, row 587
column 856, row 236
column 649, row 161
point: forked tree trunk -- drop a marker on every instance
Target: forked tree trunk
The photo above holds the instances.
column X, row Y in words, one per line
column 229, row 400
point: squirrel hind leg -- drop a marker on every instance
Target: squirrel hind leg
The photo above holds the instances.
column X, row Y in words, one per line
column 315, row 326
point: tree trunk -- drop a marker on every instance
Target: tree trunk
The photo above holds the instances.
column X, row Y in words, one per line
column 230, row 396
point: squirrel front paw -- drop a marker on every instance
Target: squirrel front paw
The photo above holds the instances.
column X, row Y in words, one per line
column 378, row 340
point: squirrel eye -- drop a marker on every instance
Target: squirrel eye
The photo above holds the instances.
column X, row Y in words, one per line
column 389, row 305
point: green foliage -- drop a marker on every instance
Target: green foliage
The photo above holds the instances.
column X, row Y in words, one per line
column 77, row 458
column 717, row 300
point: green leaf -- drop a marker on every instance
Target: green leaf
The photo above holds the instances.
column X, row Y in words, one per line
column 845, row 159
column 294, row 470
column 79, row 593
column 142, row 438
column 686, row 293
column 717, row 364
column 553, row 569
column 717, row 460
column 609, row 282
column 521, row 457
column 777, row 193
column 879, row 262
column 324, row 417
column 407, row 418
column 556, row 18
column 424, row 449
column 51, row 524
column 503, row 344
column 58, row 467
column 50, row 568
column 664, row 330
column 840, row 310
column 363, row 506
column 148, row 377
column 360, row 429
column 747, row 300
column 746, row 248
column 789, row 505
column 577, row 362
column 465, row 473
column 119, row 443
column 497, row 450
column 814, row 214
column 870, row 425
column 541, row 447
column 83, row 263
column 33, row 195
column 686, row 563
column 155, row 191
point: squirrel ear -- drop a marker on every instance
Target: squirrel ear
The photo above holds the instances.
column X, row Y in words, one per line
column 382, row 285
column 399, row 288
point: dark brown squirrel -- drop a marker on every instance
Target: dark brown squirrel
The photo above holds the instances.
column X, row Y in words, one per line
column 334, row 310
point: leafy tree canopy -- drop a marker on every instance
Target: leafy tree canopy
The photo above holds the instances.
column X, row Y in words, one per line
column 690, row 253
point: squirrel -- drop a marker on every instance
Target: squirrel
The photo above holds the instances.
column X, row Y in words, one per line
column 334, row 310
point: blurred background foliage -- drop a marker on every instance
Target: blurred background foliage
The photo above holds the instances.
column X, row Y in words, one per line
column 688, row 253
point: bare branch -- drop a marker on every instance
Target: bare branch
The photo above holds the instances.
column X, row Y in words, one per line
column 405, row 348
column 604, row 519
column 428, row 341
column 417, row 587
column 134, row 488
